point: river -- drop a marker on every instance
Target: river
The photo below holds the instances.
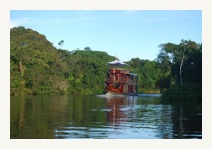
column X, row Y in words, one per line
column 86, row 117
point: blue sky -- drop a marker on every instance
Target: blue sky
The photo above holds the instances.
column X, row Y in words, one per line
column 123, row 33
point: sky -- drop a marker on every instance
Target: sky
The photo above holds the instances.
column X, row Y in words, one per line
column 125, row 34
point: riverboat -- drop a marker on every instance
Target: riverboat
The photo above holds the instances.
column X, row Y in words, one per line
column 119, row 80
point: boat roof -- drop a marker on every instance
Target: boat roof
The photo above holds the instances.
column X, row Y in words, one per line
column 118, row 68
column 132, row 74
column 116, row 62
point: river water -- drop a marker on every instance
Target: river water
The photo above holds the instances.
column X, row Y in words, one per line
column 84, row 117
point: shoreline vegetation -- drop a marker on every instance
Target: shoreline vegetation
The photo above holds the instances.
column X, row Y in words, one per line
column 39, row 68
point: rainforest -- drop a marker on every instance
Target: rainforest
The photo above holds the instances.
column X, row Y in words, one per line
column 39, row 68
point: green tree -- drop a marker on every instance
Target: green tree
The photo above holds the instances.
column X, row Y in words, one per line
column 184, row 63
column 61, row 43
column 34, row 61
column 148, row 74
column 87, row 49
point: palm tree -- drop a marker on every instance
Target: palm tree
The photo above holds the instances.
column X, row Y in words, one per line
column 61, row 43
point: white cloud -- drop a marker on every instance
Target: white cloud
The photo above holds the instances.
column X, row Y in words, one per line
column 13, row 24
column 19, row 22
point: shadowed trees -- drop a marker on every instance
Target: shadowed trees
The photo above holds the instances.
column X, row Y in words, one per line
column 184, row 68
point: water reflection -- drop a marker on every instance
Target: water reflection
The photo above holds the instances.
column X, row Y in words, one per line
column 36, row 116
column 120, row 109
column 145, row 118
column 130, row 117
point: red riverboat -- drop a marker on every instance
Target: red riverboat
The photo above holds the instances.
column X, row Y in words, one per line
column 119, row 80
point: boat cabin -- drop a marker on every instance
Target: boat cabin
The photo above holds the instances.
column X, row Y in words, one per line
column 121, row 81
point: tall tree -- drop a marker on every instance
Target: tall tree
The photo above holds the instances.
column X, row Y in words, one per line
column 87, row 49
column 185, row 61
column 61, row 43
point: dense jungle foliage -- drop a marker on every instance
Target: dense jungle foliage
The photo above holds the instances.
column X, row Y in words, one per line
column 37, row 67
column 183, row 65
